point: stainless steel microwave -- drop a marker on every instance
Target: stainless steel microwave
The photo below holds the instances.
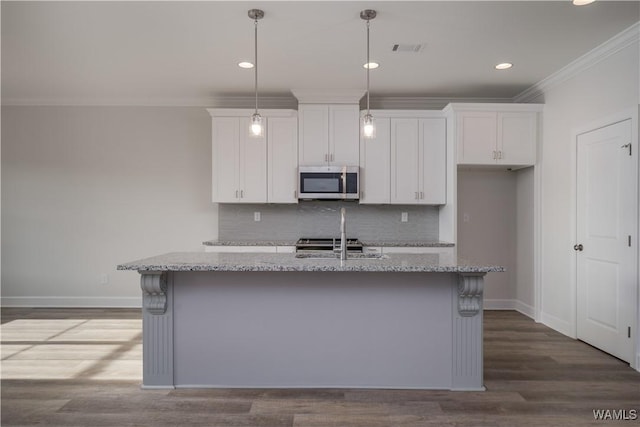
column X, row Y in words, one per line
column 328, row 182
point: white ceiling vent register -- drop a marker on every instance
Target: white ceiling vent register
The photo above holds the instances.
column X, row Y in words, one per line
column 406, row 47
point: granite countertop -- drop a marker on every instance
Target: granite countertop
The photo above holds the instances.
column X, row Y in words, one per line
column 417, row 243
column 250, row 243
column 207, row 261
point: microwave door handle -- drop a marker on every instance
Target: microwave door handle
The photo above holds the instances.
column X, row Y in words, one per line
column 344, row 182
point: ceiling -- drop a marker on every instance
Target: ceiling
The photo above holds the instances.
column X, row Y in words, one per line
column 186, row 53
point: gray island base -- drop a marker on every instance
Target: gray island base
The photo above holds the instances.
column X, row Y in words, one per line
column 272, row 320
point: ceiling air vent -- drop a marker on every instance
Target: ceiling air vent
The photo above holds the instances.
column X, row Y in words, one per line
column 415, row 48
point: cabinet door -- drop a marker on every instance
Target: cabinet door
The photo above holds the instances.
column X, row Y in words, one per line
column 433, row 156
column 253, row 165
column 476, row 137
column 375, row 165
column 313, row 125
column 404, row 161
column 517, row 135
column 282, row 147
column 344, row 135
column 225, row 151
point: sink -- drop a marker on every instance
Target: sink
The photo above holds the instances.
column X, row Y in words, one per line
column 329, row 255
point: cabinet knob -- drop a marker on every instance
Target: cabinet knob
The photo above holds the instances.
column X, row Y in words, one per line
column 236, row 194
column 241, row 194
column 578, row 247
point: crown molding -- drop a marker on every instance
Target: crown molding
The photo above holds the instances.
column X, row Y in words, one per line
column 286, row 102
column 613, row 45
column 247, row 112
column 492, row 106
column 315, row 96
column 425, row 102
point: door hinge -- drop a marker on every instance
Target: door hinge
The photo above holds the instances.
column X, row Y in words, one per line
column 628, row 331
column 627, row 146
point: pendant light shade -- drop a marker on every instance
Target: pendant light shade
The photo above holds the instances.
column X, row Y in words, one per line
column 257, row 127
column 368, row 124
column 256, row 124
column 368, row 127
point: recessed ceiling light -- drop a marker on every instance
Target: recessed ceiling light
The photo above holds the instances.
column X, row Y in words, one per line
column 245, row 64
column 582, row 2
column 371, row 65
column 504, row 66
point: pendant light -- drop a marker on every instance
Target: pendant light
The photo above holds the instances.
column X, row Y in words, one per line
column 368, row 126
column 257, row 129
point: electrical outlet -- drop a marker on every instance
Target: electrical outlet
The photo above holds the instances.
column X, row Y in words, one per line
column 465, row 217
column 104, row 279
column 256, row 216
column 404, row 217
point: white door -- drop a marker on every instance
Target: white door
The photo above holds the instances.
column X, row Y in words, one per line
column 517, row 136
column 253, row 165
column 405, row 161
column 313, row 125
column 433, row 167
column 606, row 221
column 375, row 164
column 344, row 135
column 476, row 137
column 226, row 151
column 282, row 166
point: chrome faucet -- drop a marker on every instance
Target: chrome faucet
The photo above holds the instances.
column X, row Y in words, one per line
column 343, row 234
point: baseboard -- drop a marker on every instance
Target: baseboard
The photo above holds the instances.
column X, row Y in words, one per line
column 558, row 324
column 72, row 302
column 499, row 304
column 525, row 309
column 637, row 367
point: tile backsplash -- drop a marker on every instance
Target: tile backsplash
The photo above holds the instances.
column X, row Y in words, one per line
column 322, row 219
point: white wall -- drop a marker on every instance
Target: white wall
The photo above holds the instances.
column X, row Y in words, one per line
column 487, row 229
column 525, row 286
column 606, row 88
column 86, row 188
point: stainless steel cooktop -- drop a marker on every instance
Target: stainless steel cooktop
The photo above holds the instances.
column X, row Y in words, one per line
column 326, row 244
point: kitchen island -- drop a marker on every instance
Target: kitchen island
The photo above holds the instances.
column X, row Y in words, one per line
column 274, row 320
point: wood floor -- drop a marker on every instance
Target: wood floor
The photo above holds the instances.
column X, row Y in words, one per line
column 83, row 368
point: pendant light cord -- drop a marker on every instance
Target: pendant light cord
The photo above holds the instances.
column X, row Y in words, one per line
column 256, row 60
column 368, row 67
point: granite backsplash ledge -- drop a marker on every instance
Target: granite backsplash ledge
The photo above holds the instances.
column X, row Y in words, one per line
column 322, row 219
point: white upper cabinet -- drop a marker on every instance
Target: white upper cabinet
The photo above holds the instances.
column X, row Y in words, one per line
column 239, row 162
column 248, row 169
column 418, row 161
column 433, row 161
column 344, row 134
column 404, row 161
column 496, row 134
column 282, row 148
column 225, row 134
column 517, row 135
column 329, row 134
column 375, row 165
column 476, row 137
